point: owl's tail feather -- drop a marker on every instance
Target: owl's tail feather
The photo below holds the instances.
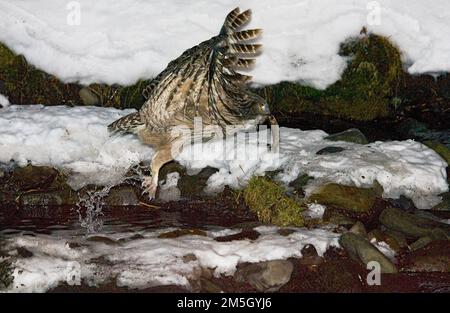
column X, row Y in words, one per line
column 239, row 52
column 130, row 123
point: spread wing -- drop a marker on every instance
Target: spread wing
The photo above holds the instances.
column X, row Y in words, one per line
column 204, row 82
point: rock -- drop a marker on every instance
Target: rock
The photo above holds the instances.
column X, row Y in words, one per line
column 88, row 96
column 122, row 196
column 24, row 252
column 439, row 148
column 208, row 286
column 346, row 197
column 358, row 229
column 285, row 231
column 329, row 150
column 333, row 217
column 102, row 239
column 360, row 249
column 351, row 135
column 33, row 177
column 413, row 226
column 445, row 203
column 190, row 257
column 380, row 236
column 182, row 232
column 245, row 234
column 169, row 190
column 403, row 203
column 266, row 276
column 299, row 183
column 309, row 250
column 420, row 243
column 434, row 257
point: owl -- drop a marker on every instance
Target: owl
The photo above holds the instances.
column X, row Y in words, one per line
column 203, row 84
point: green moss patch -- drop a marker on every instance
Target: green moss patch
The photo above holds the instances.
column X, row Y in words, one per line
column 365, row 92
column 268, row 200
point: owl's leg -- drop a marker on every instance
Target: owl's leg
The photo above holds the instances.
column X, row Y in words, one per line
column 150, row 183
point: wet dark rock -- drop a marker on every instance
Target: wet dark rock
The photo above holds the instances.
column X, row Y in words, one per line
column 439, row 148
column 403, row 203
column 190, row 257
column 88, row 97
column 299, row 183
column 182, row 232
column 33, row 177
column 433, row 257
column 420, row 243
column 190, row 186
column 315, row 274
column 413, row 226
column 309, row 250
column 208, row 286
column 265, row 276
column 396, row 243
column 102, row 239
column 360, row 249
column 48, row 198
column 122, row 196
column 346, row 197
column 330, row 150
column 351, row 135
column 334, row 217
column 285, row 231
column 445, row 203
column 24, row 252
column 358, row 229
column 250, row 234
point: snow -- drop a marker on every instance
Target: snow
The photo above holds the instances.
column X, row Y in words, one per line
column 149, row 261
column 76, row 140
column 315, row 210
column 4, row 102
column 123, row 41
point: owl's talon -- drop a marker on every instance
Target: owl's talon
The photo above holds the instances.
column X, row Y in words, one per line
column 149, row 187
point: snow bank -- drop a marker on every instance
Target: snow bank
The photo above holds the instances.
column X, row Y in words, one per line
column 123, row 41
column 76, row 139
column 149, row 261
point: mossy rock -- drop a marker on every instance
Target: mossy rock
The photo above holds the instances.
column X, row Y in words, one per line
column 346, row 197
column 22, row 83
column 360, row 249
column 365, row 91
column 414, row 226
column 440, row 149
column 268, row 200
column 350, row 135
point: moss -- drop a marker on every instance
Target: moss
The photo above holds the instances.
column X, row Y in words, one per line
column 440, row 149
column 365, row 92
column 346, row 197
column 22, row 83
column 268, row 200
